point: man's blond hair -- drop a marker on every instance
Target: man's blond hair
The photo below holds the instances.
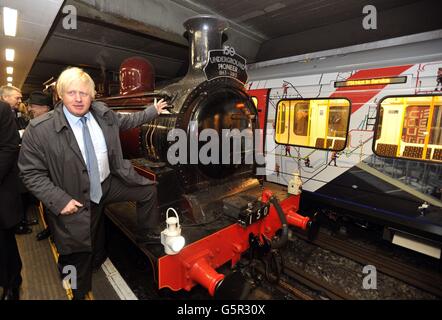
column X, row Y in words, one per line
column 72, row 74
column 8, row 90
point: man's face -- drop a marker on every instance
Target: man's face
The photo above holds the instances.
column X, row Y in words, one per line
column 13, row 99
column 37, row 110
column 77, row 99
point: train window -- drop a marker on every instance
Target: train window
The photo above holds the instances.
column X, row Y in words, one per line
column 410, row 127
column 314, row 123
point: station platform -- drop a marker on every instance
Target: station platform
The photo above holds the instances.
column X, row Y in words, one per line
column 41, row 279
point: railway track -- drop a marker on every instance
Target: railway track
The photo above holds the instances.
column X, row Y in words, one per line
column 323, row 288
column 289, row 288
column 292, row 279
column 422, row 279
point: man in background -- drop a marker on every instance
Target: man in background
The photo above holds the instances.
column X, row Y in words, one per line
column 12, row 96
column 10, row 210
column 39, row 104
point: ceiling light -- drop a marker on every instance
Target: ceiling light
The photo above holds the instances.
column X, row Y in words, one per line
column 9, row 21
column 9, row 79
column 9, row 70
column 10, row 54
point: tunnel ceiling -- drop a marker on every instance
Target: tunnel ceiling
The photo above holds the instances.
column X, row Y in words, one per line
column 109, row 31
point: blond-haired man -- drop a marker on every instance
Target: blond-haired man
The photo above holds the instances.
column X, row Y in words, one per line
column 71, row 159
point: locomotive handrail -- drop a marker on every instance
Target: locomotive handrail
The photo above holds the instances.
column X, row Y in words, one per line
column 159, row 94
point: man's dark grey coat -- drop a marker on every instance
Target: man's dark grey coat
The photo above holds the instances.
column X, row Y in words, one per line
column 52, row 168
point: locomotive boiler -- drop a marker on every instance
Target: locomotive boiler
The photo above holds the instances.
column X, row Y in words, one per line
column 223, row 208
column 203, row 99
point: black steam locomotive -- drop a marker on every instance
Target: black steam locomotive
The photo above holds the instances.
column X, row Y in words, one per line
column 223, row 207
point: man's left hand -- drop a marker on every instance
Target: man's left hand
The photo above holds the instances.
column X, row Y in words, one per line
column 160, row 105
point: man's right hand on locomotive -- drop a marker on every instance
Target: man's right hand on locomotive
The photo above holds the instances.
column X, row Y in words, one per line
column 160, row 105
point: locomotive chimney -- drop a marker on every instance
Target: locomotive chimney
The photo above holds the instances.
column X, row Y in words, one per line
column 204, row 33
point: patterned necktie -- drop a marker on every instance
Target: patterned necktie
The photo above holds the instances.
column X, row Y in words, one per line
column 92, row 164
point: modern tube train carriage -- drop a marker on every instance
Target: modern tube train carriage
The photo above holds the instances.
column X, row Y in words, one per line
column 223, row 210
column 367, row 143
